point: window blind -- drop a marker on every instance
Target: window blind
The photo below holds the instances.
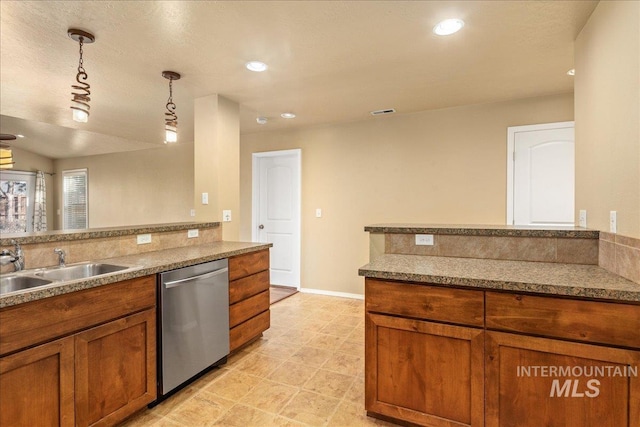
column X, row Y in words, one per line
column 75, row 200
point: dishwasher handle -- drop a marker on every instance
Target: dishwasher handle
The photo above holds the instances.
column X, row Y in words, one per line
column 180, row 282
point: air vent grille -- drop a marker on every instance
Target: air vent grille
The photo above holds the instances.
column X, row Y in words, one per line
column 385, row 111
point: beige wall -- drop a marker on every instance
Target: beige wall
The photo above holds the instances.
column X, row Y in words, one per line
column 137, row 187
column 217, row 161
column 31, row 162
column 607, row 115
column 444, row 166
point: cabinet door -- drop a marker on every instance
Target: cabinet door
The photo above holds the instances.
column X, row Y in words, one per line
column 422, row 372
column 115, row 369
column 36, row 386
column 533, row 382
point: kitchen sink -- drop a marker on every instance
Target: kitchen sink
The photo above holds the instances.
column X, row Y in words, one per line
column 79, row 271
column 13, row 282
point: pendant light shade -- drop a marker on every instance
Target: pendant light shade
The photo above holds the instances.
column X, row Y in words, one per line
column 170, row 116
column 6, row 157
column 170, row 135
column 81, row 89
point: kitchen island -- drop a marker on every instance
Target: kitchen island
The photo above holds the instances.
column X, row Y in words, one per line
column 553, row 339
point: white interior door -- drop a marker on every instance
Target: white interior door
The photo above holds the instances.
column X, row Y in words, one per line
column 543, row 168
column 276, row 219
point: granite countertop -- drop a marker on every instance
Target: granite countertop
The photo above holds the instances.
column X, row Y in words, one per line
column 576, row 280
column 141, row 265
column 486, row 230
column 97, row 233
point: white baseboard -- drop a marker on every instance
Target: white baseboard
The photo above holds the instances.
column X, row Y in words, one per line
column 331, row 293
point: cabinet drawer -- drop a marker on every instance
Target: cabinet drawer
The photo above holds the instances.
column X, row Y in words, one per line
column 252, row 328
column 589, row 321
column 245, row 265
column 248, row 308
column 248, row 286
column 43, row 320
column 459, row 306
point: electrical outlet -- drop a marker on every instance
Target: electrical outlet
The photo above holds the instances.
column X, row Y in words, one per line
column 205, row 198
column 582, row 218
column 613, row 222
column 192, row 233
column 192, row 212
column 424, row 239
column 318, row 213
column 226, row 216
column 143, row 239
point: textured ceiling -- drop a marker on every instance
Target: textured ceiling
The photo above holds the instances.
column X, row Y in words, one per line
column 329, row 61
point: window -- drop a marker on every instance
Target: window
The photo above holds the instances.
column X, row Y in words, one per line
column 16, row 201
column 75, row 201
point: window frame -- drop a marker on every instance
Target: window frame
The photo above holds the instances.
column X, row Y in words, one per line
column 30, row 179
column 75, row 172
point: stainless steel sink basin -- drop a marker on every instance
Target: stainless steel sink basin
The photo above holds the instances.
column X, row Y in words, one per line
column 79, row 271
column 12, row 283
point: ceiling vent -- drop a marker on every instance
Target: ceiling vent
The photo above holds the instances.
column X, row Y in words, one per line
column 381, row 112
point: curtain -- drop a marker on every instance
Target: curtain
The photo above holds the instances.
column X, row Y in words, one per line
column 40, row 204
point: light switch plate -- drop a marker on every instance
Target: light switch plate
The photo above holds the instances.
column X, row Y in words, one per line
column 192, row 233
column 205, row 198
column 424, row 239
column 143, row 239
column 192, row 212
column 318, row 213
column 226, row 215
column 582, row 218
column 613, row 222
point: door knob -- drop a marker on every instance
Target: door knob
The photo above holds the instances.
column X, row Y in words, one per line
column 261, row 226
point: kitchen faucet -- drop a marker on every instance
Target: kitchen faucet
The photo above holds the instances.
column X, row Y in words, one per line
column 61, row 256
column 16, row 257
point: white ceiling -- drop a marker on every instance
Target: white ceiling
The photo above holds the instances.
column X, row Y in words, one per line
column 329, row 61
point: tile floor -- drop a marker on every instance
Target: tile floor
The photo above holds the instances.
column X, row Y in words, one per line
column 307, row 370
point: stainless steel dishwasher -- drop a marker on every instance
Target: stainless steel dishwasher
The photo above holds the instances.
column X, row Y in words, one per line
column 194, row 322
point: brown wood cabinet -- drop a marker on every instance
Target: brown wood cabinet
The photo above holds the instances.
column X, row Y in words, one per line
column 249, row 313
column 36, row 386
column 438, row 356
column 524, row 387
column 565, row 375
column 104, row 368
column 418, row 370
column 115, row 369
column 424, row 372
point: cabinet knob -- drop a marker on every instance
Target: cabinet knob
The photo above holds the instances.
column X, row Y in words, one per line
column 261, row 226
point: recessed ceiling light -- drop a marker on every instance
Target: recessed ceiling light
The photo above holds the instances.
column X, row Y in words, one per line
column 261, row 120
column 256, row 66
column 288, row 116
column 571, row 72
column 448, row 27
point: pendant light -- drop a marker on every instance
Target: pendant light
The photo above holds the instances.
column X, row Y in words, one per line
column 170, row 117
column 81, row 93
column 6, row 156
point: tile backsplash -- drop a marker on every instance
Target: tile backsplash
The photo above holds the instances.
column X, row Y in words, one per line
column 620, row 255
column 39, row 255
column 543, row 249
